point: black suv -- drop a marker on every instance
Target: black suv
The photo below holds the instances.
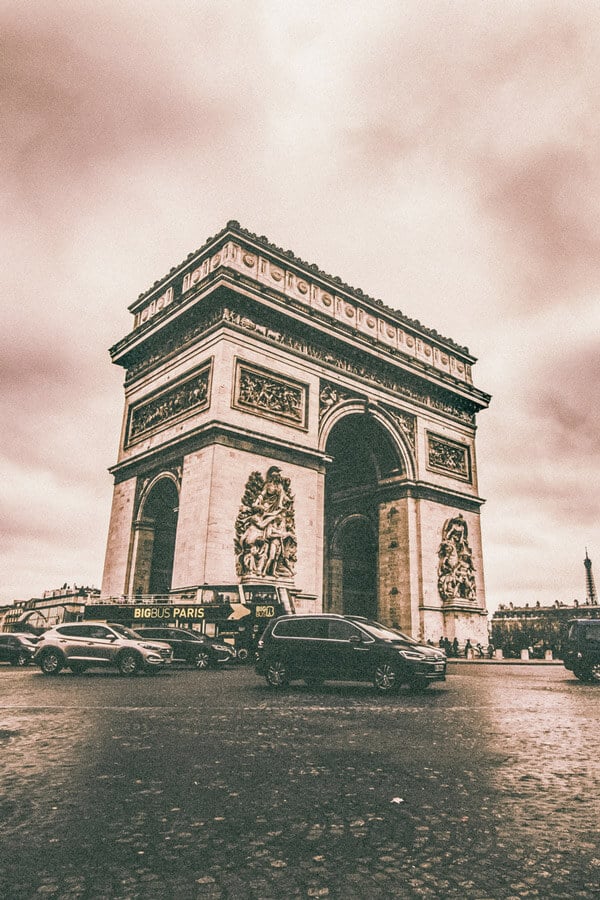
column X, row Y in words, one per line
column 582, row 651
column 17, row 649
column 345, row 648
column 189, row 646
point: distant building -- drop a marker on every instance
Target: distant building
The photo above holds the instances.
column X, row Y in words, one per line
column 539, row 627
column 64, row 604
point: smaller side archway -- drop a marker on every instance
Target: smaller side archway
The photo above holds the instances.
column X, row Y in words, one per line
column 353, row 568
column 154, row 534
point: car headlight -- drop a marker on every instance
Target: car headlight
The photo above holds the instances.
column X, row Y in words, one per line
column 221, row 647
column 410, row 654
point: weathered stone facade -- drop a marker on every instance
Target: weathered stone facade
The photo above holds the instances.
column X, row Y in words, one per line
column 245, row 360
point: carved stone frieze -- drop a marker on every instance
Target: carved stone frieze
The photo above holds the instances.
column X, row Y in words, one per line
column 377, row 371
column 163, row 345
column 267, row 394
column 449, row 457
column 185, row 398
column 265, row 529
column 456, row 573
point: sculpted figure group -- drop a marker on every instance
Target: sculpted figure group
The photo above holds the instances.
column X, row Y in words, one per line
column 456, row 573
column 265, row 541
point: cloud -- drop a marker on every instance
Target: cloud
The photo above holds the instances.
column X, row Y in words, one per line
column 503, row 107
column 86, row 86
column 440, row 156
column 565, row 403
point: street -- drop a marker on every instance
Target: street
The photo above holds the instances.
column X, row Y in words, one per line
column 191, row 784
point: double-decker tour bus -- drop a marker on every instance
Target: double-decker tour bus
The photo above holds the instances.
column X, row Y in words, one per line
column 238, row 613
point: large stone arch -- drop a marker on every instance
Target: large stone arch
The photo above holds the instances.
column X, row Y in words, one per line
column 153, row 536
column 245, row 357
column 366, row 452
column 397, row 429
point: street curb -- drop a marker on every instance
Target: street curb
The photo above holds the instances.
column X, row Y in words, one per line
column 506, row 662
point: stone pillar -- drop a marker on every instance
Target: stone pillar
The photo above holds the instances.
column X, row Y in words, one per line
column 118, row 547
column 398, row 578
column 336, row 586
column 141, row 558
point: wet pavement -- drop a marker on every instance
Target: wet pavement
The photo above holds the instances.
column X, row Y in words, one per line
column 192, row 784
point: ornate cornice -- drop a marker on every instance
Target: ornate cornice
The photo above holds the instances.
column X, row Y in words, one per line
column 254, row 259
column 192, row 264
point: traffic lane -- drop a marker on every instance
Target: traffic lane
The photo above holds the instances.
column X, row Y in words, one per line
column 546, row 722
column 334, row 790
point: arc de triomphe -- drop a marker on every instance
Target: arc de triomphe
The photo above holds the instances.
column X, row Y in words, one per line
column 281, row 426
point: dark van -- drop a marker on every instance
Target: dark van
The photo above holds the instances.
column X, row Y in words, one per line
column 319, row 648
column 581, row 654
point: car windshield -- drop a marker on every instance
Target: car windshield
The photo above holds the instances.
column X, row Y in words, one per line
column 128, row 633
column 383, row 632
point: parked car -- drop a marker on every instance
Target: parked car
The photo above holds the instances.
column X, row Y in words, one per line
column 190, row 646
column 581, row 654
column 349, row 648
column 83, row 645
column 17, row 649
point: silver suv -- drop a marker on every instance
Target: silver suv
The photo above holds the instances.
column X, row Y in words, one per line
column 83, row 645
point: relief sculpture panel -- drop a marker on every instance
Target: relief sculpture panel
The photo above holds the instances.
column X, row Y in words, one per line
column 266, row 394
column 448, row 457
column 163, row 409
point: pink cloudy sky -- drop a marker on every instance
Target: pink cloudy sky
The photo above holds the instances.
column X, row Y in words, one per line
column 443, row 157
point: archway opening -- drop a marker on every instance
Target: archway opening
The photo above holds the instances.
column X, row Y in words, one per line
column 363, row 453
column 358, row 556
column 157, row 530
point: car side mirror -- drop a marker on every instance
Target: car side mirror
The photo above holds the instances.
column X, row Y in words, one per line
column 355, row 639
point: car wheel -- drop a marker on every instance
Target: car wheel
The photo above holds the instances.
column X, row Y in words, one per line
column 582, row 672
column 592, row 673
column 595, row 672
column 51, row 662
column 202, row 659
column 78, row 668
column 128, row 663
column 277, row 674
column 385, row 678
column 21, row 659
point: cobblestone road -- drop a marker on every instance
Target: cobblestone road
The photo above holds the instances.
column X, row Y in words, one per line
column 205, row 784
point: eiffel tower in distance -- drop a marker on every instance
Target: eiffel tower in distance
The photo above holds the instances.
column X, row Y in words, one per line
column 591, row 597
